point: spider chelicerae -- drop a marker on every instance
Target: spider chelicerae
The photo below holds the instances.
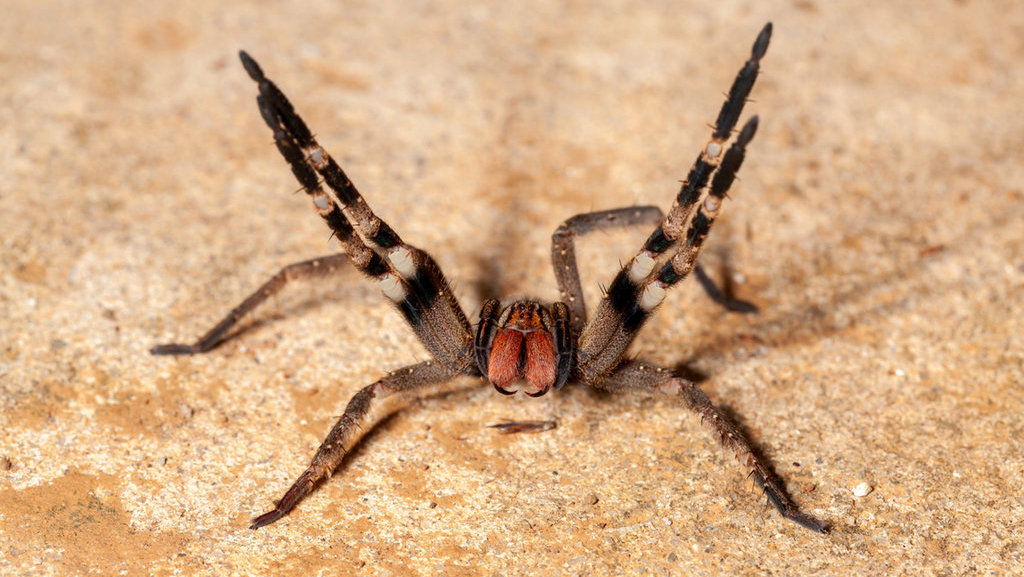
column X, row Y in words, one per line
column 526, row 345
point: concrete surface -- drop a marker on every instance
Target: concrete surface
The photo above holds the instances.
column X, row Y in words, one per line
column 879, row 225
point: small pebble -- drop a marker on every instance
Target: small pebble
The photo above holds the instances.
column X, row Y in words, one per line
column 862, row 489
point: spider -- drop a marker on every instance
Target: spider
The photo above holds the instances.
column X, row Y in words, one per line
column 526, row 345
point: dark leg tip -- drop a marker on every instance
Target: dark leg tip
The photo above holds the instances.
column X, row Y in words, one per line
column 761, row 44
column 254, row 70
column 747, row 132
column 808, row 522
column 778, row 499
column 267, row 518
column 287, row 503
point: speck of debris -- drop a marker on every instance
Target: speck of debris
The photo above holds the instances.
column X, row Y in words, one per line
column 6, row 464
column 433, row 505
column 592, row 499
column 862, row 489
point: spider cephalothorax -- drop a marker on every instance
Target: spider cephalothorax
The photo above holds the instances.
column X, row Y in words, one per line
column 526, row 346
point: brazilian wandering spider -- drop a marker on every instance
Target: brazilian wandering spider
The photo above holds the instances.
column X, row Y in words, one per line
column 525, row 346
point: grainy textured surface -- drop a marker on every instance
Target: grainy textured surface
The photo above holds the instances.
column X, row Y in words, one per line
column 879, row 224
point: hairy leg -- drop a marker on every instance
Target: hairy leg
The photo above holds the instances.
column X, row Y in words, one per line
column 563, row 250
column 343, row 433
column 640, row 286
column 315, row 268
column 648, row 378
column 408, row 276
column 563, row 258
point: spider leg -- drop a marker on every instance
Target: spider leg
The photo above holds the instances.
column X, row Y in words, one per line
column 645, row 377
column 721, row 296
column 342, row 436
column 639, row 287
column 563, row 258
column 314, row 268
column 408, row 276
column 563, row 250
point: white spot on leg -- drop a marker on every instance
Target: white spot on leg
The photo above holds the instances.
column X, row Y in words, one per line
column 713, row 149
column 402, row 259
column 641, row 266
column 322, row 202
column 318, row 156
column 652, row 296
column 712, row 203
column 392, row 288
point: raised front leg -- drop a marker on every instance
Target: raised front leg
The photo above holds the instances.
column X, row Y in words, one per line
column 408, row 276
column 648, row 378
column 641, row 285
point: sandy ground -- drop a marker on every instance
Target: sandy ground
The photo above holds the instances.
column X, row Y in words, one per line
column 879, row 226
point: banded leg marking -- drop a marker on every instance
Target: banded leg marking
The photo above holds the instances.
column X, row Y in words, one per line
column 408, row 276
column 639, row 288
column 685, row 259
column 668, row 234
column 563, row 250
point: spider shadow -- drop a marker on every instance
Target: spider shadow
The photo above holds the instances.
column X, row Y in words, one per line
column 488, row 282
column 686, row 370
column 499, row 234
